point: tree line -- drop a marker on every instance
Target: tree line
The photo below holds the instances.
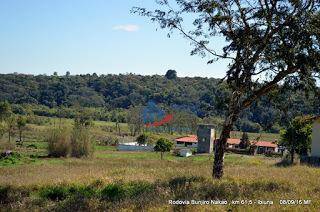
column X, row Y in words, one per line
column 110, row 97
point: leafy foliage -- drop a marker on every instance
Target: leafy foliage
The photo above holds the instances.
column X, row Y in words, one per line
column 142, row 139
column 297, row 137
column 244, row 141
column 206, row 99
column 171, row 74
column 163, row 145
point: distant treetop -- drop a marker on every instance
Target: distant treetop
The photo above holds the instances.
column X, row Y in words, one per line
column 171, row 74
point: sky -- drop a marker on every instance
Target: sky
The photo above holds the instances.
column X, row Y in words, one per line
column 93, row 36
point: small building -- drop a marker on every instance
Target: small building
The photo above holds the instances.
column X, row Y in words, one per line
column 262, row 147
column 187, row 141
column 233, row 143
column 134, row 146
column 206, row 138
column 185, row 152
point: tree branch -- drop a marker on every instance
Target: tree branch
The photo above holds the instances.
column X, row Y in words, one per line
column 266, row 88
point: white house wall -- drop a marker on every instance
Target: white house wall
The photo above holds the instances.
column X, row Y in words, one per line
column 315, row 147
column 123, row 147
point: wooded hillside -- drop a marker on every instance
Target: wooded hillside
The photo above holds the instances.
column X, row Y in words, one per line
column 204, row 97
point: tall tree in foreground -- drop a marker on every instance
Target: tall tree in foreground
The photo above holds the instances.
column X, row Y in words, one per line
column 267, row 42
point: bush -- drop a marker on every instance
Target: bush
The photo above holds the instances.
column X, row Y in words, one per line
column 118, row 191
column 81, row 142
column 58, row 142
column 54, row 193
column 142, row 139
column 109, row 140
column 113, row 192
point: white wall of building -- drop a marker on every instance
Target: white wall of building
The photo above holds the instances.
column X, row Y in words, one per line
column 315, row 147
column 193, row 145
column 125, row 147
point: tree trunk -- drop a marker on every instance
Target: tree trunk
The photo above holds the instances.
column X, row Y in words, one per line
column 292, row 155
column 161, row 155
column 20, row 135
column 220, row 145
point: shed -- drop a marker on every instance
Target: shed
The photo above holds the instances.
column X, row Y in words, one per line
column 185, row 152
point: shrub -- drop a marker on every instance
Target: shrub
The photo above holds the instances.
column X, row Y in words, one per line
column 81, row 142
column 54, row 193
column 113, row 192
column 58, row 142
column 118, row 191
column 109, row 140
column 4, row 194
column 142, row 139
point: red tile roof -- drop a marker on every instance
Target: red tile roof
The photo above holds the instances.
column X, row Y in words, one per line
column 188, row 139
column 233, row 141
column 264, row 144
column 194, row 139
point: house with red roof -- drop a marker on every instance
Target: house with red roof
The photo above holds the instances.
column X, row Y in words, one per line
column 233, row 143
column 187, row 141
column 260, row 147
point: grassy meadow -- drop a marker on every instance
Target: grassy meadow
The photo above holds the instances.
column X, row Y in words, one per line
column 139, row 181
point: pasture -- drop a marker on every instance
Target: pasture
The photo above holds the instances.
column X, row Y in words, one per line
column 135, row 181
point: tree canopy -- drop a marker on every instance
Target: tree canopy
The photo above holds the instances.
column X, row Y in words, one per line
column 171, row 74
column 297, row 136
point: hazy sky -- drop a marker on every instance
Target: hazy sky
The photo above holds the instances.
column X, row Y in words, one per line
column 87, row 36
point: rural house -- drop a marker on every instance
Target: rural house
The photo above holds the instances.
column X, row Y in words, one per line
column 187, row 141
column 233, row 143
column 262, row 147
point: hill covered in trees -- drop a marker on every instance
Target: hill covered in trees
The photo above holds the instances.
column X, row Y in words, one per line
column 202, row 97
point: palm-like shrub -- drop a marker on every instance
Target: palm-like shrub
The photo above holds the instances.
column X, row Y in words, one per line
column 81, row 142
column 58, row 142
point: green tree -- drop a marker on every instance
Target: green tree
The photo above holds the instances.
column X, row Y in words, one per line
column 5, row 110
column 11, row 124
column 21, row 124
column 171, row 74
column 142, row 139
column 244, row 141
column 273, row 38
column 83, row 119
column 134, row 120
column 297, row 137
column 163, row 145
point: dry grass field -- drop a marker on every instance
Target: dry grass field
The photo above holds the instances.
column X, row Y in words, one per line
column 57, row 184
column 139, row 181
